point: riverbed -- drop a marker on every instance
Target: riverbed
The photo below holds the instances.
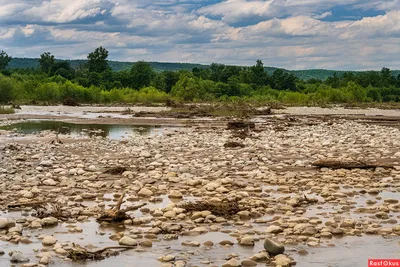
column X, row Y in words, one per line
column 322, row 216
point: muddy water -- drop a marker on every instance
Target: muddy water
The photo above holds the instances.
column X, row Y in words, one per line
column 115, row 132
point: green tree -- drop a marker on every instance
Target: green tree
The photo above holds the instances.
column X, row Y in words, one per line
column 4, row 60
column 259, row 77
column 46, row 62
column 141, row 74
column 6, row 89
column 97, row 60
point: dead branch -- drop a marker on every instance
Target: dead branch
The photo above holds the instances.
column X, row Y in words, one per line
column 349, row 164
column 115, row 214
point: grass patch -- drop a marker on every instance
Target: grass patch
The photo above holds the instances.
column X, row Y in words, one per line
column 6, row 110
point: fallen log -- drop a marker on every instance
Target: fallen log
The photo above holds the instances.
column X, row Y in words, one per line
column 349, row 164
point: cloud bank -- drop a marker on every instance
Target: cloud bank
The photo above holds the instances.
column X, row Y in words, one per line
column 334, row 34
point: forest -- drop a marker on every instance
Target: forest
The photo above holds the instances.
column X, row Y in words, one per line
column 97, row 80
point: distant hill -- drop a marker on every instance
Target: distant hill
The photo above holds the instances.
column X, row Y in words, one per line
column 320, row 74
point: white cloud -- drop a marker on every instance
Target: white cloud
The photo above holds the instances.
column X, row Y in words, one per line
column 283, row 33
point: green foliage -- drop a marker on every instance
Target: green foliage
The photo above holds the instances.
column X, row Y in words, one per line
column 4, row 60
column 6, row 90
column 6, row 110
column 97, row 60
column 141, row 75
column 46, row 61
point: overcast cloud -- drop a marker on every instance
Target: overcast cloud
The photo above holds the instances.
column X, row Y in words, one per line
column 334, row 34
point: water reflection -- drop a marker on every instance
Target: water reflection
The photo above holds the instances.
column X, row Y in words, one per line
column 112, row 131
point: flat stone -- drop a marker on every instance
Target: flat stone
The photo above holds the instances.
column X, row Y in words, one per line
column 127, row 241
column 49, row 240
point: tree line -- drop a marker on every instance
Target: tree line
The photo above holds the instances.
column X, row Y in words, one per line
column 96, row 82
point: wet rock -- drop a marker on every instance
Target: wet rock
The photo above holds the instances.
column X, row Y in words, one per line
column 226, row 243
column 208, row 243
column 274, row 229
column 282, row 260
column 338, row 231
column 49, row 221
column 17, row 257
column 167, row 258
column 49, row 240
column 144, row 192
column 146, row 243
column 231, row 263
column 191, row 243
column 261, row 257
column 313, row 244
column 273, row 247
column 3, row 223
column 302, row 252
column 175, row 194
column 44, row 260
column 247, row 241
column 127, row 241
column 248, row 263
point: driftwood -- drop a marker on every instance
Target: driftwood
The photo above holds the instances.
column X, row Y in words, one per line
column 115, row 170
column 25, row 204
column 231, row 144
column 349, row 164
column 237, row 125
column 115, row 214
column 223, row 209
column 56, row 140
column 79, row 253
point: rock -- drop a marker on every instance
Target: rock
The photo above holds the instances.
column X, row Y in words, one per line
column 191, row 243
column 166, row 258
column 146, row 243
column 273, row 247
column 282, row 260
column 127, row 241
column 3, row 223
column 313, row 244
column 226, row 243
column 309, row 231
column 391, row 201
column 208, row 243
column 49, row 240
column 248, row 263
column 144, row 192
column 302, row 252
column 274, row 229
column 49, row 221
column 175, row 194
column 247, row 241
column 261, row 257
column 49, row 182
column 44, row 260
column 46, row 163
column 231, row 263
column 17, row 257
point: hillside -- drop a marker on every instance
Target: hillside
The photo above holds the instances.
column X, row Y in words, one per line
column 165, row 66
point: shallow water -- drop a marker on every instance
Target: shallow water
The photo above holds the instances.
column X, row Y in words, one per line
column 111, row 131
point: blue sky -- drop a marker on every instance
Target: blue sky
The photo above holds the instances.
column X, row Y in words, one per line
column 294, row 34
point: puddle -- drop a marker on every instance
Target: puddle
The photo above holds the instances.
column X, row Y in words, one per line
column 350, row 252
column 113, row 131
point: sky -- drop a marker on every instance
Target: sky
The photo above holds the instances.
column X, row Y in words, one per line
column 292, row 34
